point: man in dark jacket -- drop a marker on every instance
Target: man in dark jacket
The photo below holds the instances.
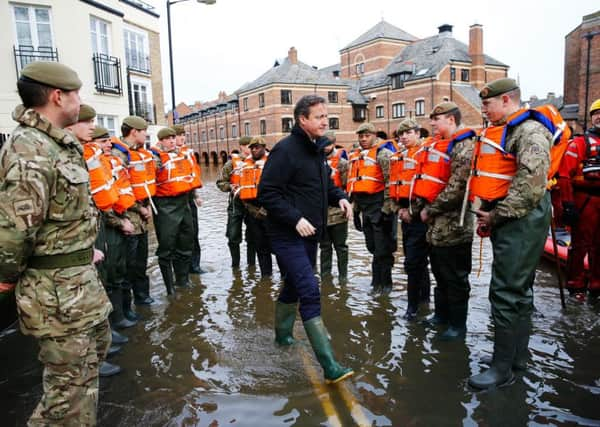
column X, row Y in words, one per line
column 296, row 189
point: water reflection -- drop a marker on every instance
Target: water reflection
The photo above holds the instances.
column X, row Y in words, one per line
column 206, row 356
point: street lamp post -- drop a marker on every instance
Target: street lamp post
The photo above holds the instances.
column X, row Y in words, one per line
column 169, row 3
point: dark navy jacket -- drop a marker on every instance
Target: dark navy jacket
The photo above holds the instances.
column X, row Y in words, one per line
column 295, row 183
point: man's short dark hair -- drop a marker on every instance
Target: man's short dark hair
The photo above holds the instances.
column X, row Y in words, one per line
column 381, row 134
column 125, row 130
column 33, row 94
column 423, row 133
column 456, row 114
column 303, row 105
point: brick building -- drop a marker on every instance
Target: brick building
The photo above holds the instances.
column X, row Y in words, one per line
column 582, row 70
column 383, row 76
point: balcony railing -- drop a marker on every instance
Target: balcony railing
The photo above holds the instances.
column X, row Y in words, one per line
column 107, row 74
column 136, row 63
column 145, row 111
column 25, row 54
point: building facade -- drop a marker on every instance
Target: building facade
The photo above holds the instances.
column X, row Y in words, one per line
column 582, row 71
column 383, row 76
column 113, row 45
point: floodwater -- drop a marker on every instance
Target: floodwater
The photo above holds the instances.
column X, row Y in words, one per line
column 206, row 356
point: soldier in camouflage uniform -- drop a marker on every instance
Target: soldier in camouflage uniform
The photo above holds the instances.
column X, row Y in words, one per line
column 519, row 226
column 450, row 242
column 134, row 131
column 336, row 232
column 236, row 212
column 48, row 226
column 378, row 223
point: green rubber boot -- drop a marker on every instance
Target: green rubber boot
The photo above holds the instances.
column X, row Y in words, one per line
column 285, row 316
column 500, row 372
column 317, row 334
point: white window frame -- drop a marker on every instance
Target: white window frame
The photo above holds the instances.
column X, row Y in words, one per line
column 103, row 120
column 398, row 110
column 221, row 132
column 32, row 21
column 234, row 129
column 421, row 111
column 135, row 80
column 95, row 21
column 379, row 108
column 247, row 128
column 145, row 46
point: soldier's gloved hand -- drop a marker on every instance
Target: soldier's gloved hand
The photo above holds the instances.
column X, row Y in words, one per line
column 357, row 221
column 570, row 214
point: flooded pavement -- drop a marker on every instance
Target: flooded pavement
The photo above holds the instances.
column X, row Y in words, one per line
column 206, row 356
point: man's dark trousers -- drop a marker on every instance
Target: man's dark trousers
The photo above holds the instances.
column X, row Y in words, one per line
column 416, row 253
column 296, row 258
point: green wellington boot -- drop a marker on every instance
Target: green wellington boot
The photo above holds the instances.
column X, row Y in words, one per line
column 500, row 372
column 317, row 334
column 285, row 316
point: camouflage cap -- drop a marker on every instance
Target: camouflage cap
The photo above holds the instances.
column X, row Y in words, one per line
column 330, row 135
column 135, row 122
column 498, row 87
column 443, row 108
column 257, row 140
column 165, row 133
column 407, row 124
column 51, row 74
column 86, row 113
column 366, row 128
column 245, row 140
column 100, row 132
column 179, row 129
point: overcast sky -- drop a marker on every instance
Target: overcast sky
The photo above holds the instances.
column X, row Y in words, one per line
column 222, row 46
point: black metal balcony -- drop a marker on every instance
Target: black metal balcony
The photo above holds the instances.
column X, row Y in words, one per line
column 25, row 54
column 138, row 65
column 145, row 111
column 107, row 74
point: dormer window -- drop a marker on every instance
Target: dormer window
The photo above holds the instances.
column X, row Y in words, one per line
column 399, row 79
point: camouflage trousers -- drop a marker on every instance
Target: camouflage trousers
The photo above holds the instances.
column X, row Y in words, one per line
column 71, row 377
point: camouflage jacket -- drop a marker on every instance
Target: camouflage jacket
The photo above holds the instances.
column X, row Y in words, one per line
column 224, row 177
column 335, row 215
column 140, row 225
column 530, row 142
column 444, row 228
column 47, row 209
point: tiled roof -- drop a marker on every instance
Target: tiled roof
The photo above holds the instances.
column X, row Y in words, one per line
column 383, row 29
column 469, row 92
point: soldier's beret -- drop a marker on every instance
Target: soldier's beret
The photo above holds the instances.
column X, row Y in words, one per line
column 257, row 140
column 179, row 129
column 245, row 140
column 407, row 124
column 443, row 108
column 135, row 122
column 51, row 74
column 366, row 128
column 165, row 133
column 330, row 135
column 86, row 113
column 100, row 132
column 498, row 87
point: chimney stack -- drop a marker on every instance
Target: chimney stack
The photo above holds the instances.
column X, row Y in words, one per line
column 445, row 28
column 293, row 55
column 476, row 54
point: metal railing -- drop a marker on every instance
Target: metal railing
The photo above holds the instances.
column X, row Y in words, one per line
column 144, row 110
column 24, row 54
column 137, row 64
column 107, row 74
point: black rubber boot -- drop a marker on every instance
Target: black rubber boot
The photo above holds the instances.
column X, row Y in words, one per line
column 112, row 350
column 116, row 317
column 108, row 369
column 266, row 264
column 342, row 263
column 167, row 275
column 457, row 317
column 234, row 250
column 386, row 279
column 182, row 273
column 500, row 372
column 440, row 316
column 521, row 350
column 250, row 255
column 326, row 262
column 127, row 307
column 319, row 339
column 118, row 338
column 285, row 316
column 375, row 279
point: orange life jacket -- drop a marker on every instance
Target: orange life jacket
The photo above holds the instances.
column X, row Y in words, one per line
column 250, row 178
column 365, row 175
column 102, row 185
column 121, row 177
column 237, row 163
column 493, row 168
column 434, row 166
column 174, row 177
column 333, row 162
column 141, row 170
column 403, row 166
column 196, row 171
